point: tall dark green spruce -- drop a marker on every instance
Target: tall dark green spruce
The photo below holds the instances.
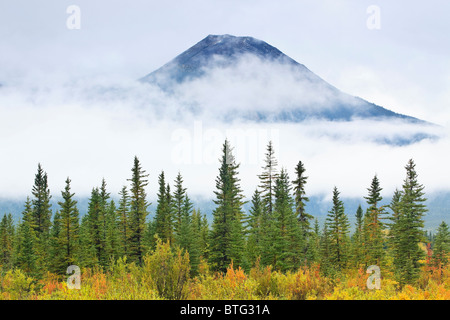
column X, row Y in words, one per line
column 313, row 254
column 408, row 228
column 95, row 243
column 199, row 243
column 104, row 197
column 112, row 234
column 41, row 203
column 88, row 252
column 25, row 244
column 338, row 229
column 57, row 263
column 255, row 229
column 357, row 239
column 441, row 245
column 373, row 230
column 178, row 206
column 267, row 179
column 287, row 244
column 138, row 212
column 300, row 207
column 227, row 234
column 163, row 215
column 69, row 220
column 42, row 214
column 6, row 241
column 124, row 223
column 267, row 194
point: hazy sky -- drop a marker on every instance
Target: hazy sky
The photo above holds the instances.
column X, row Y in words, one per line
column 404, row 66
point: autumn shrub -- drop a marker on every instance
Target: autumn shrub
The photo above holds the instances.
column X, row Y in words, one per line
column 307, row 283
column 16, row 285
column 168, row 269
column 266, row 280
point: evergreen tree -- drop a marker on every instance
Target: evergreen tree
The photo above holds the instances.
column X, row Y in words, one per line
column 358, row 238
column 374, row 226
column 69, row 234
column 178, row 204
column 300, row 204
column 88, row 252
column 408, row 228
column 6, row 241
column 123, row 216
column 42, row 218
column 184, row 235
column 104, row 196
column 288, row 237
column 255, row 229
column 95, row 227
column 57, row 264
column 313, row 253
column 338, row 228
column 268, row 178
column 441, row 247
column 227, row 239
column 112, row 234
column 163, row 216
column 325, row 250
column 26, row 255
column 138, row 212
column 41, row 203
column 195, row 245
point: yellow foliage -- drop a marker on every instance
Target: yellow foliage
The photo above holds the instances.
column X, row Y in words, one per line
column 155, row 279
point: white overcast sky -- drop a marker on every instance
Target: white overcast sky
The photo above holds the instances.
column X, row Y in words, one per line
column 403, row 66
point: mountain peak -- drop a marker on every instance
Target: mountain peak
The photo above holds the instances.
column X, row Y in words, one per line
column 229, row 48
column 250, row 79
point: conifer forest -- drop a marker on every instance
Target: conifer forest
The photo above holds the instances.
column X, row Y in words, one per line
column 276, row 250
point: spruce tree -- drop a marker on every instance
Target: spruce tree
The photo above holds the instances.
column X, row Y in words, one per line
column 287, row 241
column 95, row 227
column 104, row 196
column 184, row 235
column 268, row 178
column 69, row 220
column 300, row 205
column 441, row 247
column 408, row 228
column 313, row 253
column 41, row 203
column 197, row 244
column 123, row 216
column 25, row 244
column 138, row 212
column 6, row 241
column 57, row 263
column 255, row 229
column 358, row 238
column 227, row 239
column 178, row 204
column 374, row 225
column 338, row 228
column 112, row 234
column 163, row 215
column 42, row 214
column 88, row 252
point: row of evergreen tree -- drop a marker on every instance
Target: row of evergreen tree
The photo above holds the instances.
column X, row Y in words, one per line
column 277, row 230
